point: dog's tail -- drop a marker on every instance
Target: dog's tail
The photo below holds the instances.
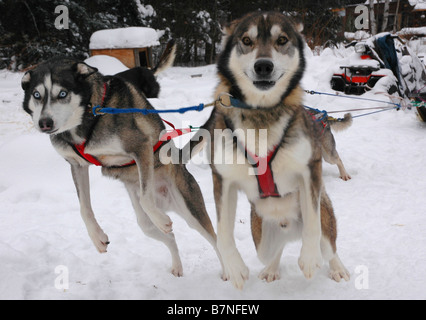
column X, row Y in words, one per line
column 167, row 58
column 340, row 124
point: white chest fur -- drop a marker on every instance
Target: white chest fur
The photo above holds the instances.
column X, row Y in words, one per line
column 110, row 153
column 288, row 165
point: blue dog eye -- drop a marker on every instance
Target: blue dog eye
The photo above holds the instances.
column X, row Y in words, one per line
column 63, row 94
column 37, row 95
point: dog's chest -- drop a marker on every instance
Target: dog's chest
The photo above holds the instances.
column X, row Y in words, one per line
column 108, row 153
column 276, row 154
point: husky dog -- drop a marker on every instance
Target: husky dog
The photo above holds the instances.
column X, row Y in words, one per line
column 59, row 95
column 328, row 143
column 260, row 67
column 145, row 79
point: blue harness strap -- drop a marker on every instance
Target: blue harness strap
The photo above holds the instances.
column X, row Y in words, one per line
column 98, row 110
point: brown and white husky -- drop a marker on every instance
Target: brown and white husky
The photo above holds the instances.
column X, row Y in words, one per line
column 260, row 68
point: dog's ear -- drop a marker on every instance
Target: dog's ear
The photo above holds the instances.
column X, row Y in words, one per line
column 228, row 28
column 298, row 24
column 83, row 70
column 25, row 82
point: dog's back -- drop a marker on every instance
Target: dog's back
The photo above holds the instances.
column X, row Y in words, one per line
column 145, row 79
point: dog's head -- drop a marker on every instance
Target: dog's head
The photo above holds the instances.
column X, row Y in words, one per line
column 262, row 58
column 57, row 93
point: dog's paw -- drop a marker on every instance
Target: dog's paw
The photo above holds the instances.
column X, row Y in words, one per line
column 237, row 273
column 177, row 271
column 310, row 261
column 346, row 177
column 338, row 271
column 100, row 240
column 270, row 275
column 224, row 276
column 338, row 275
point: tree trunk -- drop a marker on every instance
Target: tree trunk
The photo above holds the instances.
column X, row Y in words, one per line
column 395, row 24
column 373, row 23
column 386, row 16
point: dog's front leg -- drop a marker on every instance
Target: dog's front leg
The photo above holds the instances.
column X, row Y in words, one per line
column 81, row 180
column 226, row 206
column 310, row 194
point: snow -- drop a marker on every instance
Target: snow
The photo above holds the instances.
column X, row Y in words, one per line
column 380, row 212
column 132, row 37
column 419, row 5
column 359, row 35
column 106, row 65
column 421, row 31
column 145, row 11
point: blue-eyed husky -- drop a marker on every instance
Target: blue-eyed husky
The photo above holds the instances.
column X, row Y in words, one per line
column 261, row 66
column 59, row 96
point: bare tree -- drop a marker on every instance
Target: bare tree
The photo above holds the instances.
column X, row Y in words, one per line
column 395, row 24
column 373, row 23
column 386, row 15
column 32, row 16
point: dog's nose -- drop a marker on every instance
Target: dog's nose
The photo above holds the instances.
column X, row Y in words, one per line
column 46, row 124
column 264, row 67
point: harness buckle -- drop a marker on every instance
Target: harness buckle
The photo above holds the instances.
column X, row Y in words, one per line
column 224, row 100
column 96, row 112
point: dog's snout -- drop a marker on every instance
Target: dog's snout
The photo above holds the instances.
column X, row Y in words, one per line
column 46, row 124
column 264, row 67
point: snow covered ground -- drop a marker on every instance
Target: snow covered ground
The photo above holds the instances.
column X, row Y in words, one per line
column 380, row 212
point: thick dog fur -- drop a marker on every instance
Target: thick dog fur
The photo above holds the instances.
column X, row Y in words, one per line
column 144, row 79
column 59, row 95
column 328, row 143
column 262, row 64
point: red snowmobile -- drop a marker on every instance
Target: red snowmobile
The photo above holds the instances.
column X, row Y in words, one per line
column 374, row 55
column 358, row 78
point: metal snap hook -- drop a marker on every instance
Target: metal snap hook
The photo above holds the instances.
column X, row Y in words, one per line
column 224, row 100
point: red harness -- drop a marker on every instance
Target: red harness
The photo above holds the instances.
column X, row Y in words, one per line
column 80, row 149
column 266, row 182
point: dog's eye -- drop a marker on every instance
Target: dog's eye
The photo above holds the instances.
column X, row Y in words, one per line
column 37, row 95
column 62, row 95
column 282, row 41
column 247, row 41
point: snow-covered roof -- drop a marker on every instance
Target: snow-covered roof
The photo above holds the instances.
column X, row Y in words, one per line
column 418, row 5
column 106, row 65
column 133, row 37
column 417, row 31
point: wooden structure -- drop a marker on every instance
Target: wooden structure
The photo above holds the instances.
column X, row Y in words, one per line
column 130, row 57
column 405, row 13
column 132, row 46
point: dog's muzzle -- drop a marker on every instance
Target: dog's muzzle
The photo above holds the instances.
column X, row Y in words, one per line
column 264, row 69
column 46, row 125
